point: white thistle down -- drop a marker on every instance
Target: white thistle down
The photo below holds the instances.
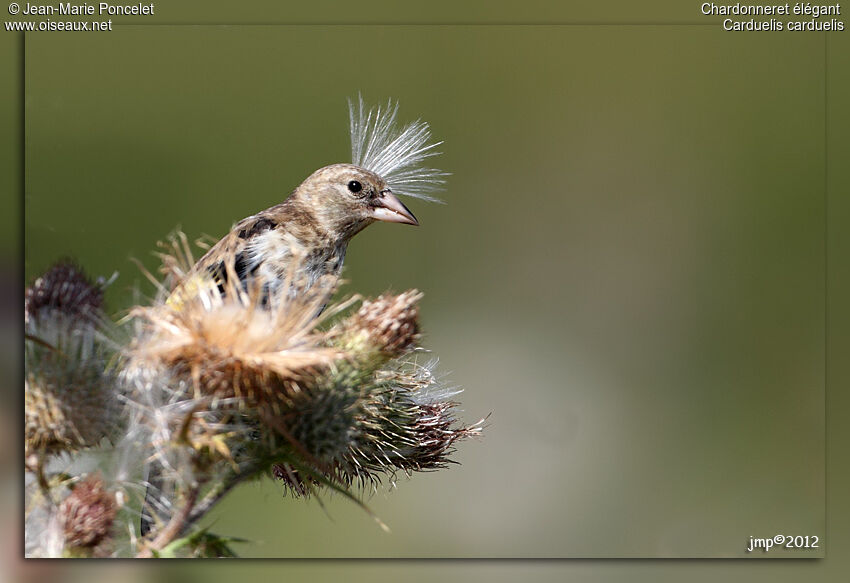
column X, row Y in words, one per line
column 378, row 145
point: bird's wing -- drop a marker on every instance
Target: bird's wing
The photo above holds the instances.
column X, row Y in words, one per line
column 231, row 252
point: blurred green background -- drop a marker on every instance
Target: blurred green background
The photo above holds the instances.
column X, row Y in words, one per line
column 629, row 275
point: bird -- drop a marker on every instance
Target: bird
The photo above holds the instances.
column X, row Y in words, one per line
column 301, row 240
column 311, row 229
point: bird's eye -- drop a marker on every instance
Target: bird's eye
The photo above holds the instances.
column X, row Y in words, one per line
column 355, row 186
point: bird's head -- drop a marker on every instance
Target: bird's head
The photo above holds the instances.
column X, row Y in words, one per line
column 344, row 198
column 341, row 199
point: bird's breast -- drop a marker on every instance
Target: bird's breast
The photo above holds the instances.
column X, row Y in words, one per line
column 277, row 255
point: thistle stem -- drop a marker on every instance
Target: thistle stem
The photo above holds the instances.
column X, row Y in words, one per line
column 213, row 497
column 174, row 527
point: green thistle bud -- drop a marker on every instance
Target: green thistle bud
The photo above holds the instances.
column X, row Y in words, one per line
column 361, row 426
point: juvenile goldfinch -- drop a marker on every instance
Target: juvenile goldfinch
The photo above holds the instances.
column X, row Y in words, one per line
column 306, row 236
column 303, row 239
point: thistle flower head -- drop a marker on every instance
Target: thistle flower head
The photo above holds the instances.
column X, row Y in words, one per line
column 66, row 290
column 389, row 324
column 396, row 154
column 69, row 391
column 87, row 516
column 232, row 342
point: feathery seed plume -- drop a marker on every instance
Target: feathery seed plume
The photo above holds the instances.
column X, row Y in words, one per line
column 378, row 145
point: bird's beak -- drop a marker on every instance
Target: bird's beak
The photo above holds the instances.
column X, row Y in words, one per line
column 387, row 207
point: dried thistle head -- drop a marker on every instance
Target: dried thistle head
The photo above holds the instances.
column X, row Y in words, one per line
column 228, row 342
column 388, row 324
column 64, row 289
column 67, row 412
column 87, row 516
column 69, row 392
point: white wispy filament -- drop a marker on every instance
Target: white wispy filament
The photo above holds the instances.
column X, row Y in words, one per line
column 378, row 145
